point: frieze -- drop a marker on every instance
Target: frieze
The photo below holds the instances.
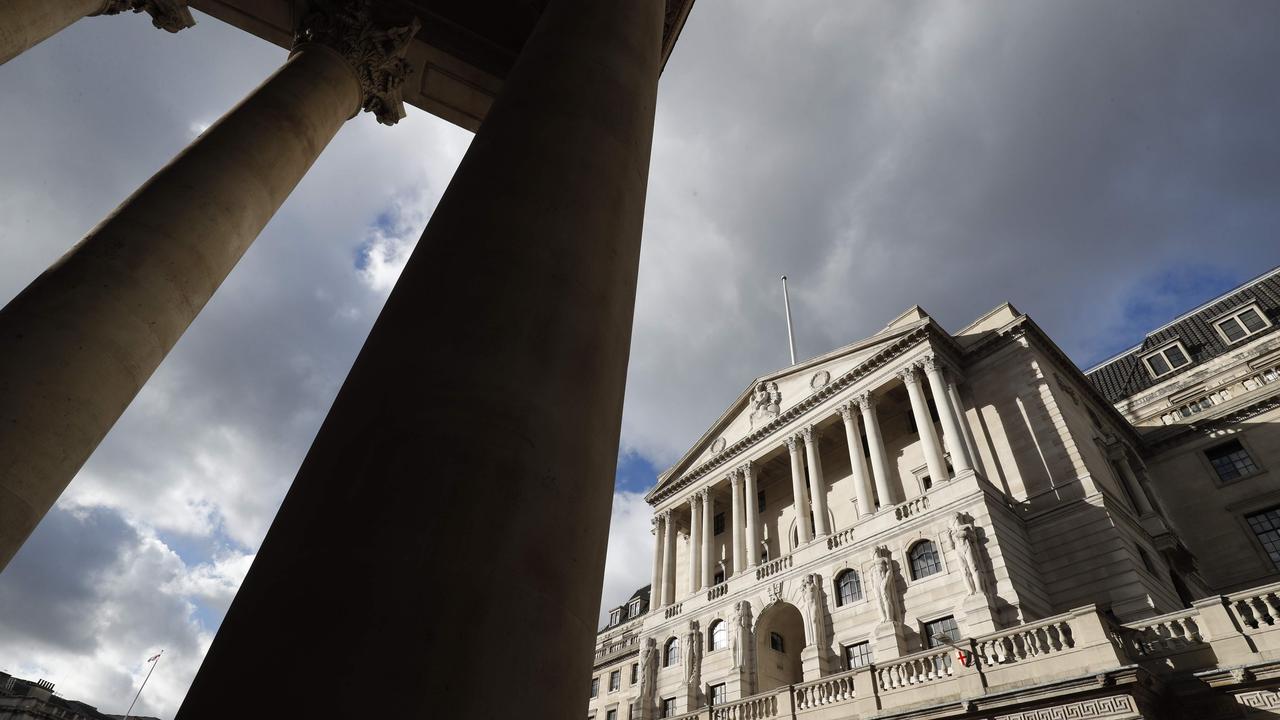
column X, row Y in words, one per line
column 1260, row 699
column 1093, row 708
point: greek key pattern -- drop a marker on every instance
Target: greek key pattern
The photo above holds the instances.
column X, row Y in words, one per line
column 1264, row 699
column 1095, row 708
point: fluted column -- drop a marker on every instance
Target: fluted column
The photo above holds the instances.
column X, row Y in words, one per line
column 708, row 521
column 857, row 460
column 817, row 483
column 26, row 23
column 875, row 443
column 951, row 434
column 735, row 487
column 655, row 588
column 695, row 541
column 668, row 559
column 924, row 425
column 798, row 493
column 753, row 514
column 82, row 339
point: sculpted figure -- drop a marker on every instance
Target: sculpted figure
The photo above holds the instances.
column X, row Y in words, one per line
column 886, row 585
column 964, row 540
column 766, row 403
column 648, row 672
column 811, row 587
column 693, row 657
column 740, row 634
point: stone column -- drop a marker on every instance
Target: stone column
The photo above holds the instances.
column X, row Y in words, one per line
column 924, row 425
column 817, row 483
column 695, row 539
column 1131, row 483
column 26, row 23
column 753, row 514
column 668, row 559
column 83, row 338
column 858, row 461
column 514, row 315
column 951, row 434
column 798, row 493
column 875, row 442
column 708, row 522
column 735, row 487
column 958, row 406
column 655, row 588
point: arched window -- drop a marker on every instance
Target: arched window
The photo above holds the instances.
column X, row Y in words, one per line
column 924, row 560
column 848, row 588
column 671, row 653
column 718, row 636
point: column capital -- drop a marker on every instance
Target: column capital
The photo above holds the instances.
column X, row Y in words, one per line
column 694, row 499
column 793, row 443
column 846, row 409
column 735, row 479
column 373, row 52
column 171, row 15
column 865, row 400
column 811, row 434
column 746, row 468
column 908, row 375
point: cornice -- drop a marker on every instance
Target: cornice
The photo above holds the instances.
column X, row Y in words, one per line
column 1194, row 431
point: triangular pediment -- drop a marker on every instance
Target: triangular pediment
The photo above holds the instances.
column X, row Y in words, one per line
column 769, row 396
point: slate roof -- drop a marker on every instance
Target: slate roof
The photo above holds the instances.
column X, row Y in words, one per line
column 1123, row 375
column 643, row 594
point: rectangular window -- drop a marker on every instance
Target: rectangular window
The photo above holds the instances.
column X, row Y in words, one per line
column 760, row 501
column 718, row 694
column 595, row 686
column 635, row 673
column 1242, row 323
column 668, row 707
column 611, row 715
column 1230, row 460
column 857, row 655
column 942, row 626
column 719, row 523
column 615, row 681
column 1266, row 525
column 776, row 642
column 1166, row 359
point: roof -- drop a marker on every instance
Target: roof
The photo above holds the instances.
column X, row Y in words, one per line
column 643, row 595
column 1121, row 376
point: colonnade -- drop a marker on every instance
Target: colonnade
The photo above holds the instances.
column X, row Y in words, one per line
column 873, row 481
column 26, row 23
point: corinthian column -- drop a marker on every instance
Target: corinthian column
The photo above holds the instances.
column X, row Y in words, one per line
column 735, row 487
column 817, row 484
column 26, row 23
column 708, row 521
column 879, row 460
column 655, row 588
column 950, row 426
column 798, row 493
column 924, row 425
column 83, row 338
column 527, row 270
column 753, row 514
column 695, row 539
column 858, row 461
column 668, row 559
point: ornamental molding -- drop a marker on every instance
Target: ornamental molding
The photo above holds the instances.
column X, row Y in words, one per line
column 819, row 379
column 1261, row 699
column 170, row 15
column 1216, row 427
column 373, row 52
column 890, row 353
column 1104, row 707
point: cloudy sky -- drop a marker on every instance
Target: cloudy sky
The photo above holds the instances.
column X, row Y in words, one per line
column 1101, row 165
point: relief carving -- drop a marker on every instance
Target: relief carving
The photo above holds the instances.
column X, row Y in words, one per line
column 740, row 634
column 886, row 585
column 766, row 404
column 964, row 540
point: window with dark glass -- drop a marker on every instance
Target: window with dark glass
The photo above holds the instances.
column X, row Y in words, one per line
column 760, row 501
column 595, row 686
column 615, row 681
column 857, row 655
column 1166, row 359
column 1230, row 460
column 718, row 524
column 940, row 627
column 718, row 694
column 671, row 653
column 718, row 636
column 635, row 673
column 1242, row 324
column 611, row 715
column 776, row 642
column 668, row 707
column 924, row 560
column 848, row 588
column 1266, row 525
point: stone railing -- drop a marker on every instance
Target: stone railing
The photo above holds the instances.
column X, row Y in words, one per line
column 717, row 591
column 826, row 691
column 763, row 705
column 673, row 610
column 923, row 667
column 840, row 539
column 773, row 567
column 1257, row 609
column 911, row 507
column 1024, row 642
column 626, row 644
column 1162, row 635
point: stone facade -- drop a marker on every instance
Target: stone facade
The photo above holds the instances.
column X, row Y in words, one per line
column 991, row 532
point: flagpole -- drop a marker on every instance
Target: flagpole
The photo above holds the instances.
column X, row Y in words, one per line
column 154, row 663
column 786, row 303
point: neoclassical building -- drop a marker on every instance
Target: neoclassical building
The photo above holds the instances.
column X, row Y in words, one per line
column 934, row 525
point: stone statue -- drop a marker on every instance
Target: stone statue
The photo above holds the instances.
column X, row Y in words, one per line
column 740, row 634
column 648, row 673
column 766, row 403
column 964, row 540
column 886, row 585
column 693, row 657
column 811, row 587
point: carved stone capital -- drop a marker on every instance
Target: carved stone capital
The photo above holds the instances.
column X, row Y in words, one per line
column 746, row 468
column 908, row 375
column 171, row 15
column 735, row 479
column 793, row 443
column 865, row 400
column 374, row 53
column 811, row 434
column 931, row 363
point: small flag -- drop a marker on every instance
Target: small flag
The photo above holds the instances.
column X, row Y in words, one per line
column 155, row 657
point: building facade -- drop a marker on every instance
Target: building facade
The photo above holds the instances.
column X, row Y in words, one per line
column 926, row 524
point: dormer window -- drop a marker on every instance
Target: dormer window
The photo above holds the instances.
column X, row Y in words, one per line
column 634, row 609
column 1167, row 359
column 615, row 616
column 1242, row 323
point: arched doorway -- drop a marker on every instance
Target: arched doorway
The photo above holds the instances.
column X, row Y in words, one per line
column 779, row 640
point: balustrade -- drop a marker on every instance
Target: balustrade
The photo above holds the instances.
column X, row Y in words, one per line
column 826, row 691
column 717, row 591
column 773, row 567
column 930, row 666
column 1256, row 610
column 673, row 610
column 914, row 506
column 844, row 537
column 1162, row 635
column 618, row 647
column 1024, row 642
column 764, row 705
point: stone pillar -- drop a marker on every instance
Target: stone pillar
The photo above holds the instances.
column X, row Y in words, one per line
column 798, row 493
column 668, row 559
column 527, row 275
column 858, row 461
column 695, row 540
column 817, row 483
column 950, row 427
column 655, row 588
column 739, row 523
column 875, row 442
column 26, row 23
column 708, row 522
column 83, row 338
column 1131, row 483
column 957, row 405
column 753, row 513
column 924, row 425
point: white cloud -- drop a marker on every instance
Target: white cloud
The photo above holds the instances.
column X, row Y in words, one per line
column 629, row 565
